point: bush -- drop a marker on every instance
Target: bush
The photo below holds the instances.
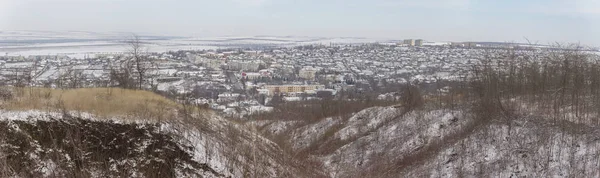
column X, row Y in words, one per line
column 6, row 94
column 412, row 97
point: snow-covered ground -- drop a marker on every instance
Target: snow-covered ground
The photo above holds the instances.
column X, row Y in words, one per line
column 378, row 142
column 80, row 44
column 218, row 147
column 387, row 142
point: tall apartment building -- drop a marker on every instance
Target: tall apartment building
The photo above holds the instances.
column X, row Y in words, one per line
column 409, row 42
column 413, row 42
column 419, row 42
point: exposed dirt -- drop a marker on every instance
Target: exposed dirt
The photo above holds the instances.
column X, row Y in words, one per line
column 74, row 147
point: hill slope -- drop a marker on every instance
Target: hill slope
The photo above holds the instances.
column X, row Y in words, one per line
column 46, row 144
column 375, row 142
column 387, row 142
column 75, row 139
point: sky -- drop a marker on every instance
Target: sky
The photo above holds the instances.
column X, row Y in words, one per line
column 541, row 21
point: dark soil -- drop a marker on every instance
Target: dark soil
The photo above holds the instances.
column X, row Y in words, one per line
column 75, row 147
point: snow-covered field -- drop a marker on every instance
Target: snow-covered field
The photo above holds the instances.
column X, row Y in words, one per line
column 80, row 44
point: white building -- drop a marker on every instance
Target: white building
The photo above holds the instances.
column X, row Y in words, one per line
column 263, row 91
column 243, row 65
column 210, row 63
column 308, row 73
column 409, row 42
column 225, row 97
column 251, row 75
column 285, row 89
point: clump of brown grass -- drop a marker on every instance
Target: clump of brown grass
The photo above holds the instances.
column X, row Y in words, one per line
column 102, row 102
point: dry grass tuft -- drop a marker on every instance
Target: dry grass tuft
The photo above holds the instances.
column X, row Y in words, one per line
column 103, row 102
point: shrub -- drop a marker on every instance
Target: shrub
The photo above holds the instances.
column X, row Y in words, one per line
column 6, row 94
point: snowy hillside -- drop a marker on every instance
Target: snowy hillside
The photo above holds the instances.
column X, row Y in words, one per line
column 387, row 142
column 527, row 148
column 47, row 144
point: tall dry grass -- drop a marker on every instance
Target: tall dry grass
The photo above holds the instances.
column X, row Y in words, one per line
column 102, row 102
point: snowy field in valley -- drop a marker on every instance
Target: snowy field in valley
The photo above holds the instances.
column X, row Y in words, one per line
column 81, row 44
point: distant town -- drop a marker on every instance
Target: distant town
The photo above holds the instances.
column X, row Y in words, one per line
column 240, row 82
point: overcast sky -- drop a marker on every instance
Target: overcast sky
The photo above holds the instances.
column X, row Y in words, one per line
column 435, row 20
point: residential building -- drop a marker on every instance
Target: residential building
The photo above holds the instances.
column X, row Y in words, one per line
column 251, row 75
column 409, row 42
column 243, row 65
column 228, row 97
column 274, row 89
column 210, row 63
column 419, row 42
column 308, row 73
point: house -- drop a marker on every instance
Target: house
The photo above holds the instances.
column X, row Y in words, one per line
column 308, row 73
column 284, row 89
column 228, row 97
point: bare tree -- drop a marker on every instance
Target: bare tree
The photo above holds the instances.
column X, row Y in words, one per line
column 121, row 76
column 71, row 79
column 132, row 72
column 412, row 97
column 140, row 61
